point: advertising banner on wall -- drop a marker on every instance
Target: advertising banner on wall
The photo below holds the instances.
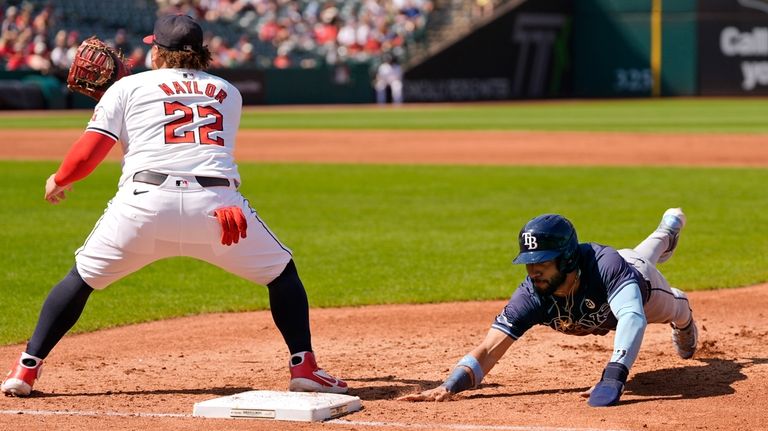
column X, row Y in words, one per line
column 250, row 83
column 733, row 47
column 521, row 54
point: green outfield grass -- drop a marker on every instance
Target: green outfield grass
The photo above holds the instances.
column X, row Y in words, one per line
column 387, row 234
column 663, row 115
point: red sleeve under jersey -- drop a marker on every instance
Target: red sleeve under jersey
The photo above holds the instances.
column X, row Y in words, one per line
column 86, row 153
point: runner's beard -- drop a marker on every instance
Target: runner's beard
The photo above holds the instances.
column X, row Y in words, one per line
column 552, row 284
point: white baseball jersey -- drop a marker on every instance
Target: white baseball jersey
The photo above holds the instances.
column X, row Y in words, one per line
column 172, row 120
column 180, row 125
column 389, row 73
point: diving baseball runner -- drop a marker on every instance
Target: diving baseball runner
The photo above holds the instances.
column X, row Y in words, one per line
column 178, row 196
column 581, row 289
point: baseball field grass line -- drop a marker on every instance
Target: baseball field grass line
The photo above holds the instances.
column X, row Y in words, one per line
column 377, row 234
column 635, row 115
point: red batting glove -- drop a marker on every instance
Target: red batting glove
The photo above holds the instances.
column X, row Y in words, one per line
column 233, row 224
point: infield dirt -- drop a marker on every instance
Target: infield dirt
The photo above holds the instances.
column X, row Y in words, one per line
column 450, row 147
column 148, row 376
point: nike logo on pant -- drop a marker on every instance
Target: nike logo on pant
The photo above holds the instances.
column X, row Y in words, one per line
column 138, row 192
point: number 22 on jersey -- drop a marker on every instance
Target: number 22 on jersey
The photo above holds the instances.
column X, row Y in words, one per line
column 202, row 134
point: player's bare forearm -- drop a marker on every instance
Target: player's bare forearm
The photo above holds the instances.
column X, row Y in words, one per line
column 493, row 347
column 55, row 193
column 486, row 354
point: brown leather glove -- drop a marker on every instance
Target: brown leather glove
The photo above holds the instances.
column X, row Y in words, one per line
column 233, row 224
column 95, row 68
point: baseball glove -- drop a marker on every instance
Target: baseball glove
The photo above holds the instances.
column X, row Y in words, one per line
column 96, row 66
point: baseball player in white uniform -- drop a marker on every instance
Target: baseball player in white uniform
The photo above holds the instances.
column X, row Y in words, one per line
column 389, row 74
column 178, row 196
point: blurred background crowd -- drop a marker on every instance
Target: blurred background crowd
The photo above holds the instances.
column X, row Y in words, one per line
column 43, row 35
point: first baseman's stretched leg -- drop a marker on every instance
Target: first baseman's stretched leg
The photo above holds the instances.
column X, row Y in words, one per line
column 61, row 309
column 290, row 309
column 60, row 312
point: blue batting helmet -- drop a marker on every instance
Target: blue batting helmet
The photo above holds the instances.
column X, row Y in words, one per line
column 548, row 237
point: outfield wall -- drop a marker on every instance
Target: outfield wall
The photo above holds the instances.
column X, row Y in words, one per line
column 604, row 48
column 324, row 85
column 612, row 48
column 521, row 54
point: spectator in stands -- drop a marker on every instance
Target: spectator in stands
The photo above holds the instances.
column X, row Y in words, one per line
column 312, row 31
column 378, row 37
column 347, row 35
column 42, row 21
column 246, row 55
column 226, row 10
column 222, row 54
column 168, row 7
column 39, row 59
column 282, row 59
column 9, row 22
column 411, row 11
column 23, row 38
column 60, row 53
column 303, row 33
column 121, row 42
column 73, row 42
column 17, row 58
column 135, row 58
column 389, row 74
column 24, row 17
column 293, row 12
column 482, row 8
column 268, row 30
column 7, row 42
column 327, row 30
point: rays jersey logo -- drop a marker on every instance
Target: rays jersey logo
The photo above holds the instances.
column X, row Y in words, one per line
column 529, row 241
column 586, row 324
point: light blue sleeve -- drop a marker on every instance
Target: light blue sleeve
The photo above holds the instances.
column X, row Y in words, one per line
column 627, row 306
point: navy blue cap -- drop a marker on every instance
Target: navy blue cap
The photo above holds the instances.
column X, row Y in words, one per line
column 177, row 33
